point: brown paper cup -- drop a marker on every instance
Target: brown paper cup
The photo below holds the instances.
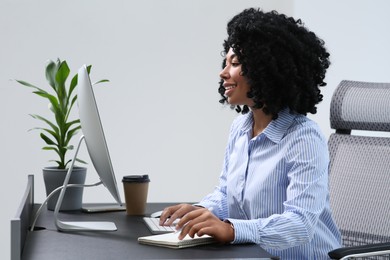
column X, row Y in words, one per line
column 136, row 192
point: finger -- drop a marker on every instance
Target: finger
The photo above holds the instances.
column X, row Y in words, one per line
column 187, row 218
column 179, row 211
column 204, row 222
column 195, row 229
column 207, row 230
column 175, row 215
column 183, row 231
column 198, row 215
column 166, row 214
column 200, row 229
column 193, row 221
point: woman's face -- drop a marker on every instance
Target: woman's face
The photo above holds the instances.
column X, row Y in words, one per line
column 236, row 86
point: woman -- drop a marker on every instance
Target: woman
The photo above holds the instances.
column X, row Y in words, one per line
column 273, row 188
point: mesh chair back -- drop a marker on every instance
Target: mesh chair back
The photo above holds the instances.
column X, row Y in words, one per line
column 360, row 165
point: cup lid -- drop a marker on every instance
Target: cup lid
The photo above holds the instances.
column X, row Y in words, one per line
column 136, row 178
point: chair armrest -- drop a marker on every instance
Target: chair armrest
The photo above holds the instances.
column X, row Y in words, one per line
column 365, row 250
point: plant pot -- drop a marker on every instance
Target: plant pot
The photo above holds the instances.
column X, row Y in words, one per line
column 54, row 178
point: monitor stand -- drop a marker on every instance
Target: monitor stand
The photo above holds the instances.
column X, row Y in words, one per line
column 68, row 226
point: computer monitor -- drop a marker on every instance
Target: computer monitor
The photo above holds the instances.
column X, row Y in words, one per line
column 92, row 129
column 94, row 138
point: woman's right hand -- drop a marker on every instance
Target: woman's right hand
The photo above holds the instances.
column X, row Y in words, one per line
column 172, row 213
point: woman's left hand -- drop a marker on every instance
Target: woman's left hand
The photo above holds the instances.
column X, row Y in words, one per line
column 203, row 222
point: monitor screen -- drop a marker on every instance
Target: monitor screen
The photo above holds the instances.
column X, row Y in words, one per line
column 92, row 129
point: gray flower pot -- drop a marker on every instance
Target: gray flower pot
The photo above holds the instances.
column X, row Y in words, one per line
column 54, row 178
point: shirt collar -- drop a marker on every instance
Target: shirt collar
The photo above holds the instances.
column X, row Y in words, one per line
column 276, row 129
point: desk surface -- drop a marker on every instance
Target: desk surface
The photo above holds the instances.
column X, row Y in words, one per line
column 48, row 243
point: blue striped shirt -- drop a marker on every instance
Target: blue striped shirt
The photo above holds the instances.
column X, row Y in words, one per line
column 274, row 188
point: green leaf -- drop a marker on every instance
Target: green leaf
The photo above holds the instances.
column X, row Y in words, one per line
column 26, row 84
column 54, row 134
column 53, row 100
column 101, row 81
column 31, row 86
column 77, row 121
column 71, row 105
column 51, row 70
column 62, row 73
column 47, row 139
column 53, row 126
column 81, row 161
column 55, row 161
column 72, row 133
column 61, row 76
column 50, row 148
column 60, row 164
column 72, row 86
column 60, row 119
column 66, row 164
column 67, row 126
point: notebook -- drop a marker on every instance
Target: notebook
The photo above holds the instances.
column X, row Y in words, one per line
column 171, row 240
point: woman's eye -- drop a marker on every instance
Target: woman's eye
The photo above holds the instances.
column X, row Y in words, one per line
column 235, row 62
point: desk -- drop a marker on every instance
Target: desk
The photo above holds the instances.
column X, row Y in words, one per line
column 48, row 243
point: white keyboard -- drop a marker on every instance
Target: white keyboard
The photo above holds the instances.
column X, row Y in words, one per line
column 155, row 228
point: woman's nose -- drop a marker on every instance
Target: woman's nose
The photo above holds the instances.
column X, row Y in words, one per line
column 224, row 74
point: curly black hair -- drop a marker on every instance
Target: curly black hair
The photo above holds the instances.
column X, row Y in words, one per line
column 284, row 62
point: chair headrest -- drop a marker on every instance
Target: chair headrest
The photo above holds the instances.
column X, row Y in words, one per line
column 359, row 105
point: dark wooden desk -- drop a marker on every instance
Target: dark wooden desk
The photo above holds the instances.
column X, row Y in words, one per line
column 48, row 243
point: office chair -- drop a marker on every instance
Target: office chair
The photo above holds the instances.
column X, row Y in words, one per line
column 360, row 169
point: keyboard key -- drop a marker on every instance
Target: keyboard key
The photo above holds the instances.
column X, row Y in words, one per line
column 155, row 228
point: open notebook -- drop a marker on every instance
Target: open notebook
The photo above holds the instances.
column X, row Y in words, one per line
column 171, row 240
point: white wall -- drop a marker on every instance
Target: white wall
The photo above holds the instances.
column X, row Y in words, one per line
column 358, row 39
column 160, row 111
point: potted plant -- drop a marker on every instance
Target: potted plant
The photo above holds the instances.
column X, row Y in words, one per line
column 59, row 132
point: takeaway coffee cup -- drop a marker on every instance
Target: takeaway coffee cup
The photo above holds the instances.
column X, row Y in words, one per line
column 136, row 192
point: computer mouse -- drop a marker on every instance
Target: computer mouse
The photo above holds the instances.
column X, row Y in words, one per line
column 156, row 214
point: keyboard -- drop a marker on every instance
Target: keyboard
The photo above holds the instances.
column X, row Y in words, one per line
column 155, row 228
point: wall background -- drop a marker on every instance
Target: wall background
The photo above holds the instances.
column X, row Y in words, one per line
column 356, row 35
column 159, row 111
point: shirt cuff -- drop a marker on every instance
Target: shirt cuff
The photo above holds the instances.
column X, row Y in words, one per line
column 245, row 231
